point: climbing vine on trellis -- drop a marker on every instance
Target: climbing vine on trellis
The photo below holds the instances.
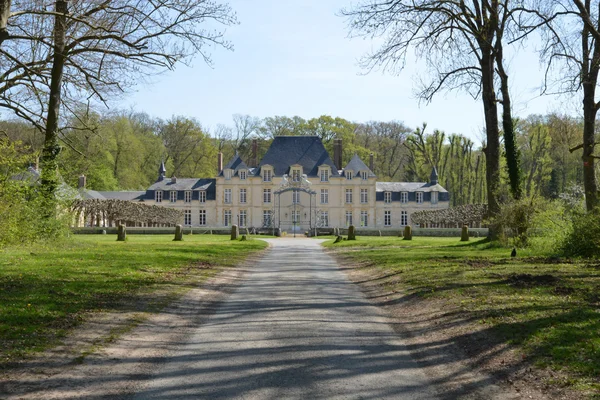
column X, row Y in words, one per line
column 122, row 210
column 466, row 214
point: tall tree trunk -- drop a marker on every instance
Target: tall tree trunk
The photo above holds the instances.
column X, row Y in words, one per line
column 492, row 150
column 4, row 14
column 51, row 146
column 512, row 153
column 589, row 127
column 590, row 69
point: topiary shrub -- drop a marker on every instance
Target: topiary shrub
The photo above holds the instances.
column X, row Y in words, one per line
column 351, row 232
column 583, row 240
column 178, row 233
column 464, row 235
column 121, row 233
column 407, row 233
column 235, row 232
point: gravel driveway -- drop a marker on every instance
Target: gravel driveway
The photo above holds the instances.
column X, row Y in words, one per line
column 295, row 328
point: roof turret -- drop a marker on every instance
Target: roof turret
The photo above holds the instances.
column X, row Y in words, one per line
column 162, row 171
column 433, row 178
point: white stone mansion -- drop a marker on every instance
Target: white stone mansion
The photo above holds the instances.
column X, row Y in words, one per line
column 296, row 186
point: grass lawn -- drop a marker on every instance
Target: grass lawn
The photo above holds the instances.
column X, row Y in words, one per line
column 45, row 291
column 550, row 307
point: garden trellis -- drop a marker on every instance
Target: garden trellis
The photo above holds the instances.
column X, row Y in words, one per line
column 466, row 214
column 114, row 210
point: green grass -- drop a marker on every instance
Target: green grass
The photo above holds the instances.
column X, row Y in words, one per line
column 549, row 307
column 45, row 291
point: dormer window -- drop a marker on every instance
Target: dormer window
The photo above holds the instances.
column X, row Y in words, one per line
column 419, row 197
column 296, row 174
column 227, row 174
column 158, row 196
column 324, row 175
column 348, row 175
column 403, row 197
column 364, row 175
column 243, row 175
column 188, row 196
column 173, row 197
column 387, row 197
column 434, row 197
column 267, row 175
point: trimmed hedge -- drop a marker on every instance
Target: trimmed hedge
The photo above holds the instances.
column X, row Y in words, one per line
column 428, row 232
column 150, row 231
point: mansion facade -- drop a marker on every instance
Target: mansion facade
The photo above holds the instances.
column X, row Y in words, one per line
column 296, row 187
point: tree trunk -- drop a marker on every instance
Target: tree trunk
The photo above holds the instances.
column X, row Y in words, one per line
column 589, row 75
column 512, row 153
column 51, row 146
column 589, row 128
column 492, row 150
column 4, row 14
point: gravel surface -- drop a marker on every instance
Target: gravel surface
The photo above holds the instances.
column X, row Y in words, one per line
column 296, row 328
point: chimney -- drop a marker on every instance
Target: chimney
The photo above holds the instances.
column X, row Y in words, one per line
column 254, row 153
column 371, row 163
column 173, row 179
column 82, row 182
column 219, row 162
column 337, row 153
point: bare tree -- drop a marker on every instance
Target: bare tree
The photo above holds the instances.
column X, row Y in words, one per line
column 459, row 42
column 572, row 53
column 387, row 140
column 60, row 54
column 188, row 147
column 244, row 127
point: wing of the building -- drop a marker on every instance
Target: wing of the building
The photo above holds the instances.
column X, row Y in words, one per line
column 296, row 186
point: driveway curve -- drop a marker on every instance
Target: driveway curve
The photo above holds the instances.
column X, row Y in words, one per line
column 296, row 328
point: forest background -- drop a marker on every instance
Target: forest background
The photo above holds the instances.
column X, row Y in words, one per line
column 122, row 150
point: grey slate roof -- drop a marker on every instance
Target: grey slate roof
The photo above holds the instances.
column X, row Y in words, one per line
column 33, row 177
column 91, row 194
column 307, row 151
column 408, row 187
column 126, row 195
column 356, row 165
column 236, row 164
column 30, row 176
column 183, row 184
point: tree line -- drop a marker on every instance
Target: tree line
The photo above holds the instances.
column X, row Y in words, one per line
column 59, row 57
column 464, row 43
column 122, row 151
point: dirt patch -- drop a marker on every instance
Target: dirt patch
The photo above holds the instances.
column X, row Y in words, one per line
column 529, row 280
column 455, row 348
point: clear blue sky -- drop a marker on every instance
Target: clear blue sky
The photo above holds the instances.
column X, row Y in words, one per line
column 294, row 58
